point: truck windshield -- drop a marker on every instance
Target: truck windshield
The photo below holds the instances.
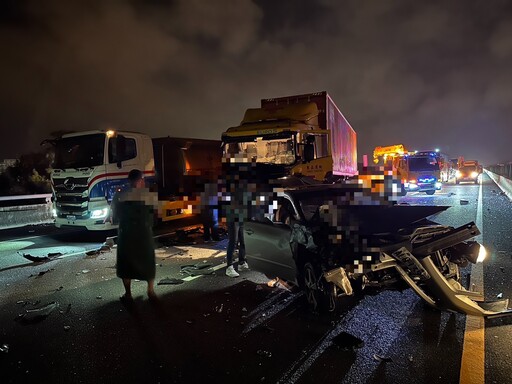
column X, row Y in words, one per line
column 80, row 151
column 260, row 150
column 426, row 163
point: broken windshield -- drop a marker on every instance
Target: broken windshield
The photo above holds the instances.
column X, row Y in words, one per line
column 260, row 150
column 80, row 151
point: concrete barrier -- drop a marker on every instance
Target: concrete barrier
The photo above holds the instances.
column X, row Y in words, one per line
column 504, row 183
column 19, row 216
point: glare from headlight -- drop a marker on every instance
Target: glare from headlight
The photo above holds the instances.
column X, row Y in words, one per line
column 482, row 254
column 458, row 174
column 438, row 185
column 474, row 174
column 54, row 212
column 99, row 213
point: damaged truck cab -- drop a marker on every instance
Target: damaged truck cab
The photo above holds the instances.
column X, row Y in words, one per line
column 304, row 135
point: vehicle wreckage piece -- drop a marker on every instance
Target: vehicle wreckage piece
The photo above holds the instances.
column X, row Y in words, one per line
column 444, row 293
column 452, row 296
column 339, row 277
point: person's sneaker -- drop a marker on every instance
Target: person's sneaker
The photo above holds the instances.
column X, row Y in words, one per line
column 243, row 267
column 230, row 271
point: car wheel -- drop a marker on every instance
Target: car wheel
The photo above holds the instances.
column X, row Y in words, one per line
column 430, row 192
column 317, row 299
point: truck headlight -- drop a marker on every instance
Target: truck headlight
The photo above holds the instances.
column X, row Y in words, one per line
column 458, row 174
column 474, row 174
column 99, row 213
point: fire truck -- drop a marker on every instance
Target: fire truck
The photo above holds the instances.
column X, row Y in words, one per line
column 419, row 171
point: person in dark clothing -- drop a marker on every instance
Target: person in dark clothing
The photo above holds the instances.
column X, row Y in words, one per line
column 133, row 211
column 238, row 200
column 210, row 212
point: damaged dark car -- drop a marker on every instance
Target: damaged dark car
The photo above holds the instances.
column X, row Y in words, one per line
column 337, row 240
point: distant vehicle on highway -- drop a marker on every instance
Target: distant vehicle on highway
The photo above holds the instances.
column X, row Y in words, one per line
column 468, row 173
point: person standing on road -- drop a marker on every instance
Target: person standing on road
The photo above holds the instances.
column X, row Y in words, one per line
column 237, row 199
column 133, row 211
column 210, row 212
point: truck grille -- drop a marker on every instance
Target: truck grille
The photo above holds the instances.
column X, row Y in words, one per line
column 71, row 197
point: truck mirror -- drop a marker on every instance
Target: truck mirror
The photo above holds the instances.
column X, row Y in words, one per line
column 120, row 151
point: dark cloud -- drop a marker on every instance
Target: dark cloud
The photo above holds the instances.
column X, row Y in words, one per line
column 427, row 74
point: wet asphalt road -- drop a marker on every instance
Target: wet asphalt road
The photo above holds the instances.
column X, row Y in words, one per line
column 214, row 329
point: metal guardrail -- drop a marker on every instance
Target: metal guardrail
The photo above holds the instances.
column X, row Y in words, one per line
column 504, row 170
column 47, row 196
column 25, row 200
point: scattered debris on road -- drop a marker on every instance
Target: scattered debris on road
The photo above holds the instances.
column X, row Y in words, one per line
column 36, row 315
column 41, row 273
column 67, row 327
column 499, row 295
column 464, row 202
column 382, row 359
column 347, row 342
column 264, row 353
column 196, row 269
column 170, row 281
column 219, row 308
column 4, row 348
column 84, row 271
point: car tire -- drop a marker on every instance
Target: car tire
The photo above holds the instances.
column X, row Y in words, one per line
column 317, row 299
column 430, row 192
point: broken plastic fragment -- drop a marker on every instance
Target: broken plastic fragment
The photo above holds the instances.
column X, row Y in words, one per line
column 85, row 271
column 35, row 259
column 382, row 358
column 35, row 315
column 4, row 348
column 219, row 308
column 99, row 297
column 67, row 327
column 464, row 202
column 499, row 295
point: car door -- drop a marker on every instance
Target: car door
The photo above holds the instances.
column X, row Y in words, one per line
column 267, row 245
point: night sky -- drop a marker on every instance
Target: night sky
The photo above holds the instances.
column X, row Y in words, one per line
column 426, row 74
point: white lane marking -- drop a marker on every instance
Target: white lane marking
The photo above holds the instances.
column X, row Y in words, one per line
column 21, row 239
column 472, row 369
column 274, row 310
column 215, row 268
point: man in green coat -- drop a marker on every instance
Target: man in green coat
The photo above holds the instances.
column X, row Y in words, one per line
column 133, row 210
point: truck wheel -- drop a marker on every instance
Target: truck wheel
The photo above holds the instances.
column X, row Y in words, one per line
column 430, row 192
column 476, row 181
